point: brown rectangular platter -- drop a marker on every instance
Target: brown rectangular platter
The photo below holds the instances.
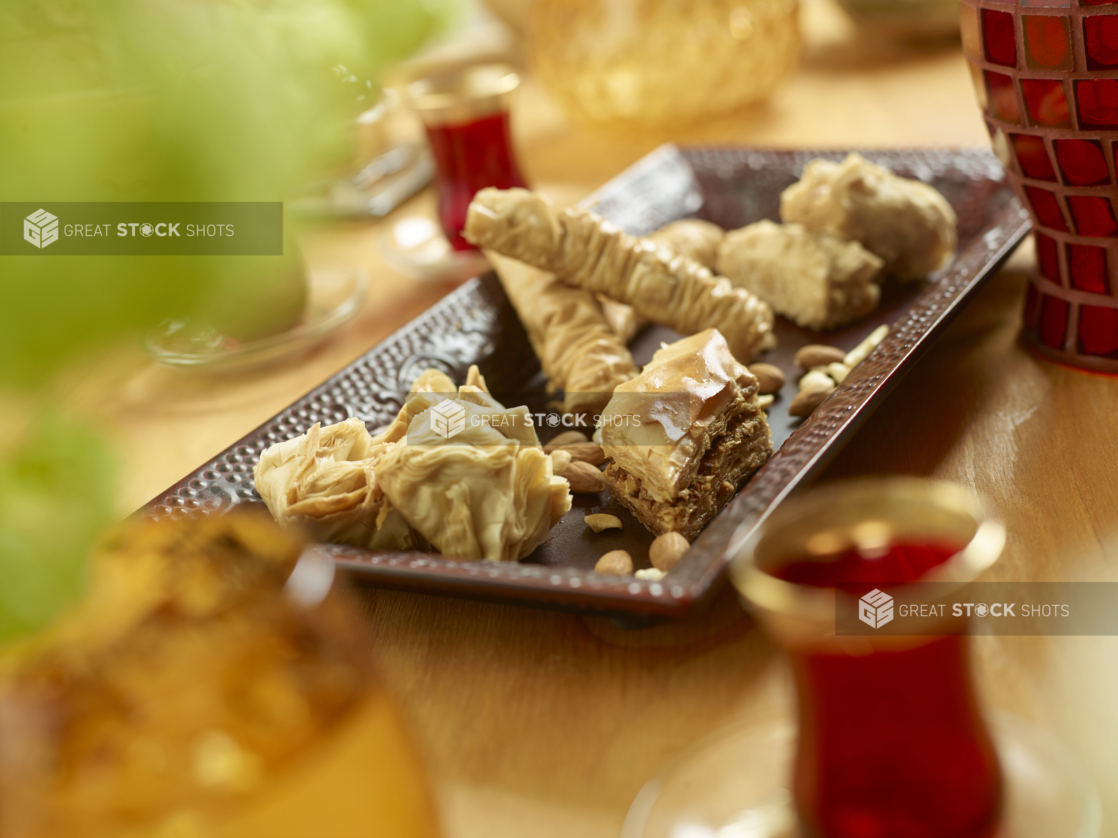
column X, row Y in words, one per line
column 475, row 324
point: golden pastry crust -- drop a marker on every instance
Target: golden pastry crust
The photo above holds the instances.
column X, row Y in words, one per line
column 905, row 222
column 814, row 280
column 586, row 251
column 689, row 423
column 692, row 237
column 578, row 350
column 689, row 237
column 486, row 491
column 741, row 449
column 325, row 480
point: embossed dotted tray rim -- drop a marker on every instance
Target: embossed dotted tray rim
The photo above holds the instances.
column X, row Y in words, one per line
column 802, row 455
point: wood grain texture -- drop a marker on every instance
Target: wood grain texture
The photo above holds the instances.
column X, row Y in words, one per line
column 538, row 724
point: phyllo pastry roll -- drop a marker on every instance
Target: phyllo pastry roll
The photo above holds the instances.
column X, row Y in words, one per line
column 473, row 479
column 584, row 250
column 684, row 434
column 578, row 350
column 905, row 222
column 813, row 279
column 689, row 237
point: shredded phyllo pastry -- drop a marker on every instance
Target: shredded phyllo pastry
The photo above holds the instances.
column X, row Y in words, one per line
column 689, row 237
column 578, row 351
column 484, row 491
column 684, row 434
column 813, row 279
column 586, row 251
column 905, row 222
column 455, row 470
column 325, row 480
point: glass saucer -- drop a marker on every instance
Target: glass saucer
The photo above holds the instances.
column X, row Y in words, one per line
column 735, row 785
column 416, row 247
column 334, row 296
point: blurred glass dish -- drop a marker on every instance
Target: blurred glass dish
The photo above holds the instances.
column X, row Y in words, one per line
column 334, row 296
column 661, row 62
column 905, row 18
column 214, row 682
column 734, row 784
column 375, row 189
column 416, row 247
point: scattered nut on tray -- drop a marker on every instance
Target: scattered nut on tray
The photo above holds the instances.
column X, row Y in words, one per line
column 827, row 367
column 667, row 550
column 615, row 563
column 582, row 452
column 584, row 478
column 566, row 438
column 603, row 522
column 770, row 378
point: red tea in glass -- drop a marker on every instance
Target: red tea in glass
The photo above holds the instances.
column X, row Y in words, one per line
column 467, row 120
column 892, row 742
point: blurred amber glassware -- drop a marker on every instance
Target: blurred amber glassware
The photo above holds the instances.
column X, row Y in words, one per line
column 661, row 62
column 213, row 685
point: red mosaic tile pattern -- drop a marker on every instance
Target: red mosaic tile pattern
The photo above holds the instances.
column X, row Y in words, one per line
column 1046, row 77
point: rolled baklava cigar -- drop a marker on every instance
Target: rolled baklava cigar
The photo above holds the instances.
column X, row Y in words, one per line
column 693, row 238
column 684, row 434
column 689, row 237
column 586, row 251
column 578, row 351
column 815, row 280
column 905, row 222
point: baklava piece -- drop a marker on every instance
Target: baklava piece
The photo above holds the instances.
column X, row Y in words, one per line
column 587, row 251
column 905, row 222
column 473, row 479
column 689, row 237
column 578, row 350
column 815, row 280
column 684, row 434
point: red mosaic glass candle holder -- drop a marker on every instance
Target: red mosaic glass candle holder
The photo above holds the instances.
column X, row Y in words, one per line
column 1046, row 77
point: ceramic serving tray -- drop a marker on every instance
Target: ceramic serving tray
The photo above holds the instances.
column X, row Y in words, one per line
column 475, row 324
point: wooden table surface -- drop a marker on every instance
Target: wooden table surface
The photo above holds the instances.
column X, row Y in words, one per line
column 540, row 724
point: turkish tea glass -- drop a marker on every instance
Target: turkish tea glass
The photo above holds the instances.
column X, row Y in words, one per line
column 889, row 736
column 466, row 114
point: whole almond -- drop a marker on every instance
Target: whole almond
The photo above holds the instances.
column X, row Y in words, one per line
column 807, row 400
column 584, row 452
column 603, row 522
column 667, row 550
column 769, row 378
column 568, row 438
column 818, row 355
column 817, row 380
column 615, row 563
column 584, row 478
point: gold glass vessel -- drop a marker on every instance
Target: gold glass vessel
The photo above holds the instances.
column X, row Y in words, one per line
column 661, row 62
column 213, row 685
